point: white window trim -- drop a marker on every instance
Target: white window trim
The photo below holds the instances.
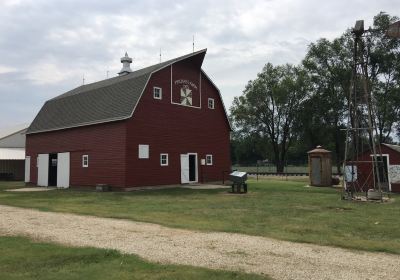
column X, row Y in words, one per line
column 166, row 160
column 143, row 151
column 154, row 93
column 213, row 103
column 85, row 158
column 209, row 157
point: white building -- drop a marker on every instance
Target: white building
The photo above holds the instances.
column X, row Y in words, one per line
column 12, row 153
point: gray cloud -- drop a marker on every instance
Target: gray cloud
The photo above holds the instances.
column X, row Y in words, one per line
column 47, row 46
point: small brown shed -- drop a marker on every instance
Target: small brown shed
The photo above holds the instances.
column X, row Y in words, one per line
column 320, row 167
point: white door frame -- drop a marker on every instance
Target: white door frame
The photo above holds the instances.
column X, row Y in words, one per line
column 196, row 168
column 185, row 177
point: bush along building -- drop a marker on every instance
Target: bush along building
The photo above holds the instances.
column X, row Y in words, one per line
column 160, row 125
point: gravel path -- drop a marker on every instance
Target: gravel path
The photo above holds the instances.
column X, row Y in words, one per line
column 278, row 259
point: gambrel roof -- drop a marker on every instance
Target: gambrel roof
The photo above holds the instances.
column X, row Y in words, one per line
column 104, row 101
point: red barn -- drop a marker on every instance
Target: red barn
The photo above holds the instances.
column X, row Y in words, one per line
column 160, row 125
column 389, row 170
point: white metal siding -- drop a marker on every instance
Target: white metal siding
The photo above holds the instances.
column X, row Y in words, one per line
column 12, row 153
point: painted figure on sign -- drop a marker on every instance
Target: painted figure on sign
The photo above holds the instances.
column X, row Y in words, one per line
column 186, row 95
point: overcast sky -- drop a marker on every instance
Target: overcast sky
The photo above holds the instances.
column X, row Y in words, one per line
column 46, row 46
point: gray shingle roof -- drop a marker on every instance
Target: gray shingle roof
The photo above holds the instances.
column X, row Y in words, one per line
column 108, row 100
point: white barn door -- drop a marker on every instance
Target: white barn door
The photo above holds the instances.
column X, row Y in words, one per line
column 184, row 169
column 63, row 170
column 43, row 170
column 27, row 169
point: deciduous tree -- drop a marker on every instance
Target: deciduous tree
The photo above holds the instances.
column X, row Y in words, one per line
column 269, row 107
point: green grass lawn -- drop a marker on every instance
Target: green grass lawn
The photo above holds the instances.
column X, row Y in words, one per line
column 24, row 259
column 278, row 209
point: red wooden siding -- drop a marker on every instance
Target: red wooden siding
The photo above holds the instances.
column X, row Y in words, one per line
column 181, row 72
column 167, row 128
column 104, row 143
column 175, row 129
column 364, row 169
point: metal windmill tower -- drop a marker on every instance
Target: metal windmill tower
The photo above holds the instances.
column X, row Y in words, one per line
column 361, row 128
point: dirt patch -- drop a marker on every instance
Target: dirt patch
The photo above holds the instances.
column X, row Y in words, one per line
column 34, row 189
column 205, row 187
column 218, row 250
column 340, row 209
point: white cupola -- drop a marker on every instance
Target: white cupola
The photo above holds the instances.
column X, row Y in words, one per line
column 126, row 68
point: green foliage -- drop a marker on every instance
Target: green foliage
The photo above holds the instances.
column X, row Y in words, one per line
column 323, row 116
column 248, row 149
column 321, row 87
column 23, row 259
column 279, row 209
column 383, row 56
column 269, row 106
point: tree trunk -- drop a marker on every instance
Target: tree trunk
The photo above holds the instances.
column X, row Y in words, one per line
column 337, row 149
column 280, row 166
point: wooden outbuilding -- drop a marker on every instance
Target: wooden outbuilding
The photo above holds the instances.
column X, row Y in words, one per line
column 361, row 177
column 160, row 125
column 320, row 167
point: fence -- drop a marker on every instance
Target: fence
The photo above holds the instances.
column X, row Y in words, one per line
column 290, row 169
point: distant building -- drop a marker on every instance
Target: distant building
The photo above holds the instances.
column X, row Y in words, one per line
column 160, row 125
column 12, row 153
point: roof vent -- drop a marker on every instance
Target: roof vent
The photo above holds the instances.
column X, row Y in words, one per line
column 126, row 68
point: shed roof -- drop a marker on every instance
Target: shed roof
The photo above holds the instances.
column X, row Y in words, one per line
column 393, row 147
column 319, row 150
column 5, row 132
column 104, row 101
column 12, row 153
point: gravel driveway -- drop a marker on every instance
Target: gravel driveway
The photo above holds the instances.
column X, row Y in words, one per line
column 278, row 259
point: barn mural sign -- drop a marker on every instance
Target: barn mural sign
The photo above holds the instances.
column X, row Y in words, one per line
column 186, row 93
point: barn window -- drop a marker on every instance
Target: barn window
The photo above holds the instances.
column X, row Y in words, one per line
column 85, row 161
column 143, row 151
column 209, row 159
column 211, row 103
column 157, row 93
column 164, row 159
